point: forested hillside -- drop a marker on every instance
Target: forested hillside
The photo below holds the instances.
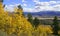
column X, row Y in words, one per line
column 16, row 24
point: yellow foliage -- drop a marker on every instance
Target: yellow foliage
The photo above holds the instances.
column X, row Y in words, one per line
column 17, row 24
column 44, row 30
column 1, row 8
column 14, row 23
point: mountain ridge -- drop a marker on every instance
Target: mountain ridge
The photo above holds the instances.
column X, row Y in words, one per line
column 44, row 13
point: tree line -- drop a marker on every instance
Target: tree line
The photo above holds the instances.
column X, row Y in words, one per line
column 35, row 22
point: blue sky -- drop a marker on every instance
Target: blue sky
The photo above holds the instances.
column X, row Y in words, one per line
column 33, row 5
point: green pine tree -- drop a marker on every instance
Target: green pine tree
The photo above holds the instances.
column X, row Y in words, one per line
column 55, row 26
column 30, row 18
column 36, row 22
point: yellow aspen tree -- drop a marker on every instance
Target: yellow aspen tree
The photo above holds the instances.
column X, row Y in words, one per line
column 21, row 22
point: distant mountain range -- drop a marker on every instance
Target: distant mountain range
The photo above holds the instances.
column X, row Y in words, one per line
column 44, row 13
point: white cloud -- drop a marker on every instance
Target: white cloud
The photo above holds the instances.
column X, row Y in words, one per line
column 23, row 0
column 53, row 2
column 45, row 6
column 39, row 6
column 57, row 7
column 46, row 3
column 28, row 9
column 24, row 4
column 17, row 4
column 35, row 1
column 9, row 8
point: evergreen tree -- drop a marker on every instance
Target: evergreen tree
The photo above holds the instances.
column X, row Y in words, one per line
column 30, row 19
column 55, row 26
column 36, row 22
